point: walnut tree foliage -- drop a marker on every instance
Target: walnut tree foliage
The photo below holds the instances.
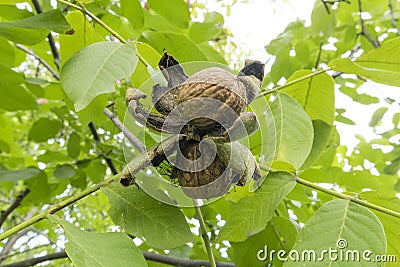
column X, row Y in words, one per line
column 62, row 63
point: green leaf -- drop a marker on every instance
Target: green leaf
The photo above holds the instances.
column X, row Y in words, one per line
column 64, row 172
column 390, row 223
column 54, row 156
column 73, row 145
column 175, row 11
column 133, row 11
column 279, row 234
column 322, row 134
column 211, row 54
column 157, row 23
column 393, row 167
column 11, row 2
column 17, row 175
column 376, row 119
column 385, row 57
column 12, row 12
column 40, row 191
column 90, row 249
column 96, row 171
column 44, row 129
column 141, row 73
column 12, row 95
column 322, row 23
column 396, row 119
column 84, row 34
column 32, row 30
column 162, row 226
column 184, row 49
column 203, row 32
column 251, row 214
column 341, row 118
column 381, row 65
column 52, row 20
column 108, row 62
column 343, row 226
column 293, row 128
column 315, row 95
column 7, row 53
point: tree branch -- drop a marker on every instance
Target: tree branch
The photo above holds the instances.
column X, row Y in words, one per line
column 129, row 135
column 204, row 235
column 147, row 255
column 97, row 140
column 33, row 261
column 181, row 262
column 305, row 77
column 44, row 63
column 364, row 30
column 14, row 205
column 332, row 2
column 347, row 197
column 52, row 43
column 56, row 207
column 138, row 163
column 340, row 195
column 10, row 243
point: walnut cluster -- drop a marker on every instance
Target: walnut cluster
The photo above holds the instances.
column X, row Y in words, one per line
column 208, row 104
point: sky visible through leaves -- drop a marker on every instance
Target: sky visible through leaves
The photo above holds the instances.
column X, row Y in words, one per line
column 256, row 22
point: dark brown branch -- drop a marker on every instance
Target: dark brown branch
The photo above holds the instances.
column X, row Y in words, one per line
column 326, row 4
column 14, row 205
column 34, row 261
column 181, row 262
column 392, row 17
column 319, row 55
column 129, row 135
column 96, row 138
column 52, row 43
column 364, row 30
column 147, row 255
column 44, row 63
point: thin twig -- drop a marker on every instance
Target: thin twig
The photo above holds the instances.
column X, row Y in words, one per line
column 364, row 30
column 332, row 2
column 42, row 61
column 340, row 195
column 305, row 77
column 128, row 134
column 56, row 207
column 392, row 17
column 14, row 205
column 52, row 43
column 34, row 261
column 97, row 140
column 30, row 250
column 174, row 261
column 135, row 165
column 10, row 243
column 346, row 197
column 319, row 55
column 204, row 235
column 182, row 262
column 102, row 24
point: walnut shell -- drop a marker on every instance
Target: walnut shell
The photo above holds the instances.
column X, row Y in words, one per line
column 209, row 181
column 213, row 83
